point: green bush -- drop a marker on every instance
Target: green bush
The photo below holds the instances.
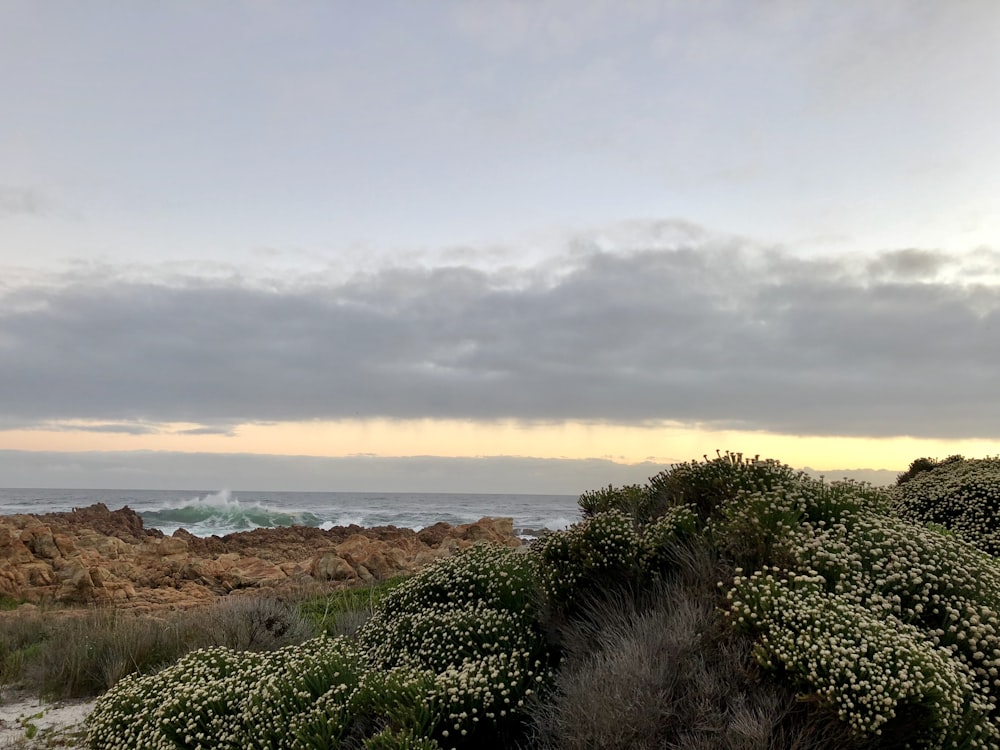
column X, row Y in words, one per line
column 753, row 527
column 599, row 552
column 471, row 621
column 633, row 500
column 292, row 682
column 659, row 540
column 962, row 495
column 882, row 676
column 706, row 484
column 449, row 655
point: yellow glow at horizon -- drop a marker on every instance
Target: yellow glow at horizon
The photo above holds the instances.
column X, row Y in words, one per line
column 660, row 443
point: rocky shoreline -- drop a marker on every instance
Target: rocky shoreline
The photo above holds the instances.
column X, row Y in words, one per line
column 98, row 556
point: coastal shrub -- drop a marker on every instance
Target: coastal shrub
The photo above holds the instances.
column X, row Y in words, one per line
column 220, row 698
column 632, row 499
column 601, row 551
column 706, row 484
column 203, row 706
column 278, row 709
column 880, row 674
column 917, row 612
column 962, row 495
column 920, row 465
column 659, row 541
column 190, row 704
column 500, row 577
column 471, row 622
column 946, row 588
column 397, row 702
column 754, row 526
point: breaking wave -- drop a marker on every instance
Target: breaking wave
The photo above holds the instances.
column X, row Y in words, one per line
column 222, row 513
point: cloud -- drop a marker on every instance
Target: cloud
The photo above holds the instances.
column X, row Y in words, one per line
column 19, row 201
column 689, row 327
column 121, row 428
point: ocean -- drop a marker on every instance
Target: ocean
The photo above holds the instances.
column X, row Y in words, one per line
column 204, row 513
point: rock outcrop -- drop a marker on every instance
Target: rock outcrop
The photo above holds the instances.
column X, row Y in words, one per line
column 96, row 555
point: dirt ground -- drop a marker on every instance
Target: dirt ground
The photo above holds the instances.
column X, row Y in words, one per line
column 27, row 722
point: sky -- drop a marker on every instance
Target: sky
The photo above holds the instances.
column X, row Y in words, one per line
column 475, row 246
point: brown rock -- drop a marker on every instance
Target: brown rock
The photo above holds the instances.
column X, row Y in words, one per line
column 494, row 530
column 41, row 543
column 432, row 536
column 331, row 567
column 97, row 555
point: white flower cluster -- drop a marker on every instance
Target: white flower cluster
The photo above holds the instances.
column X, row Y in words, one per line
column 963, row 496
column 871, row 611
column 442, row 636
column 151, row 712
column 657, row 538
column 755, row 526
column 500, row 577
column 488, row 692
column 218, row 698
column 604, row 545
column 453, row 651
column 471, row 621
column 296, row 686
column 864, row 664
column 947, row 588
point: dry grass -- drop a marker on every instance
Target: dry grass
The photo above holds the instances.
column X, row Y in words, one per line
column 663, row 670
column 65, row 653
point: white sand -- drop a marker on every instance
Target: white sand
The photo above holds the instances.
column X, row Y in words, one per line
column 58, row 724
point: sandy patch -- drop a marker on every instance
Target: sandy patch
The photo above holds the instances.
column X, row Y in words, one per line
column 27, row 722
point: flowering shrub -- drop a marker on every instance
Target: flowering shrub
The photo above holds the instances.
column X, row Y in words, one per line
column 658, row 538
column 960, row 494
column 754, row 527
column 948, row 589
column 482, row 700
column 634, row 500
column 883, row 618
column 470, row 621
column 499, row 577
column 193, row 704
column 447, row 660
column 871, row 668
column 706, row 484
column 290, row 683
column 600, row 550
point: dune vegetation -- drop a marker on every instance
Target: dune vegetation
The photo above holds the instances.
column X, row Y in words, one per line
column 727, row 603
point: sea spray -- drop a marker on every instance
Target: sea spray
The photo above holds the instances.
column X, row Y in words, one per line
column 223, row 513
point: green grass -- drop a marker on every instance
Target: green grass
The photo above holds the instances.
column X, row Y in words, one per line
column 343, row 612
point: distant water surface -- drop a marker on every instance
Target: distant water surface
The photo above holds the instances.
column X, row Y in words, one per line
column 205, row 513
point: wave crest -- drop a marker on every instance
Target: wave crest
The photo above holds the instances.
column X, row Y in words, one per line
column 223, row 513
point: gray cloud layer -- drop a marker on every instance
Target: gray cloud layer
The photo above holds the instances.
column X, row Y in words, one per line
column 711, row 331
